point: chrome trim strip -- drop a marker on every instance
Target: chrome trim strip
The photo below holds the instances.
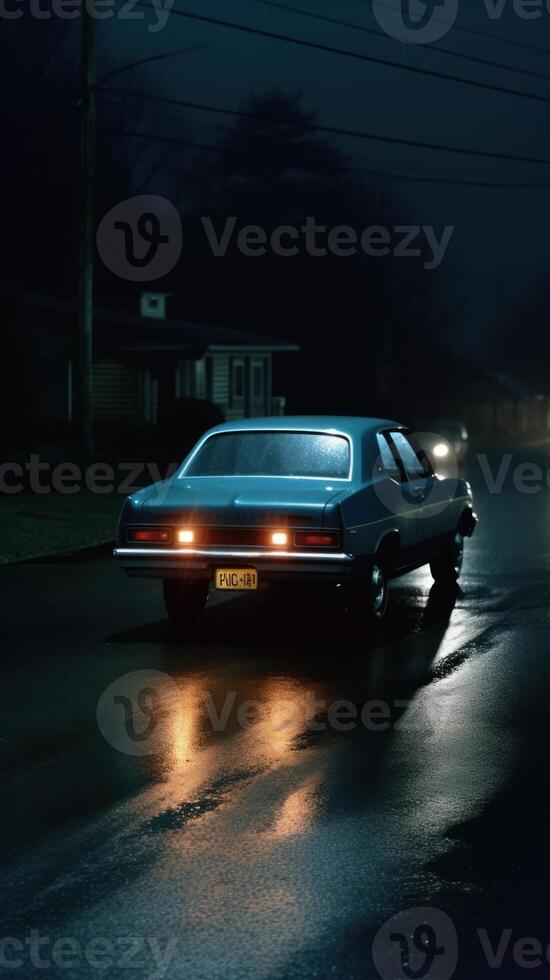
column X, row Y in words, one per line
column 202, row 553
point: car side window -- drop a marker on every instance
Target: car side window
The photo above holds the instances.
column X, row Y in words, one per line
column 413, row 466
column 389, row 462
column 421, row 454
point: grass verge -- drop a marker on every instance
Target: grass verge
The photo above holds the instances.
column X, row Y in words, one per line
column 35, row 525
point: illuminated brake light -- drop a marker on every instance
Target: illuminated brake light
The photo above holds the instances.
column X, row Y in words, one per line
column 186, row 536
column 312, row 539
column 279, row 538
column 149, row 535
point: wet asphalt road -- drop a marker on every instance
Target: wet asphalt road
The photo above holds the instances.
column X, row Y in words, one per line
column 276, row 841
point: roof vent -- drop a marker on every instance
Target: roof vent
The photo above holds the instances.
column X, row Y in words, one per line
column 153, row 305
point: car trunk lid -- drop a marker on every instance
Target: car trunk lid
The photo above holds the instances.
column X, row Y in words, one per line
column 246, row 501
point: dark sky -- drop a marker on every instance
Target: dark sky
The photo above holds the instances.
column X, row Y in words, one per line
column 500, row 234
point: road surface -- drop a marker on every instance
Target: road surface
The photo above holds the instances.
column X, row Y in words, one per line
column 282, row 786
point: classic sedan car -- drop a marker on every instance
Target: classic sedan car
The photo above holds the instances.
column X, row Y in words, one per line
column 347, row 502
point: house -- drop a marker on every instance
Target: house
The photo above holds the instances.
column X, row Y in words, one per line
column 144, row 361
column 520, row 409
column 498, row 405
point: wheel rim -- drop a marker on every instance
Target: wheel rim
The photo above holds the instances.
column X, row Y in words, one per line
column 378, row 589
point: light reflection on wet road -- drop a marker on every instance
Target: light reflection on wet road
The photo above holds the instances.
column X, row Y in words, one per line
column 276, row 848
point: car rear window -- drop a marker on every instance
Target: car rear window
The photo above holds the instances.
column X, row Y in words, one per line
column 312, row 454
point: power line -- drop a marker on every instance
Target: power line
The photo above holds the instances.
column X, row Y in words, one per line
column 457, row 181
column 317, row 46
column 370, row 30
column 160, row 137
column 332, row 130
column 375, row 169
column 465, row 182
column 476, row 32
column 155, row 57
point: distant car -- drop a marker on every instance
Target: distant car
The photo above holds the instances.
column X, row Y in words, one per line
column 348, row 502
column 453, row 435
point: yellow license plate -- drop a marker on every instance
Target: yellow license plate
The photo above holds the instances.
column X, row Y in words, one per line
column 236, row 579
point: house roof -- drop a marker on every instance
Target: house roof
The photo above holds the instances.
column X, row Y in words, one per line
column 140, row 334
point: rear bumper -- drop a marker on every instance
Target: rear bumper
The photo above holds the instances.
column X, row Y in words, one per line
column 201, row 563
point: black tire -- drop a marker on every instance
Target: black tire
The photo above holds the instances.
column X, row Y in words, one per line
column 185, row 599
column 447, row 566
column 367, row 600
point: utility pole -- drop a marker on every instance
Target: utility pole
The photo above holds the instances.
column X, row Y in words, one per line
column 87, row 244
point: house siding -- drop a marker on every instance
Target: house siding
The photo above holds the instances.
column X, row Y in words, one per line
column 220, row 382
column 222, row 366
column 115, row 390
column 259, row 405
column 128, row 383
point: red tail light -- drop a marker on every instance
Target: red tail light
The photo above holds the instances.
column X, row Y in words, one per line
column 317, row 539
column 149, row 535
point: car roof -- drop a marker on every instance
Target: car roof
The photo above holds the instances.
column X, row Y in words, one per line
column 350, row 425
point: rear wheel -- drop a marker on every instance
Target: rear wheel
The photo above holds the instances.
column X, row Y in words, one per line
column 368, row 600
column 447, row 566
column 185, row 599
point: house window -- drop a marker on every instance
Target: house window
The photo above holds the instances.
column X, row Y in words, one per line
column 209, row 379
column 258, row 380
column 200, row 379
column 148, row 396
column 237, row 380
column 194, row 379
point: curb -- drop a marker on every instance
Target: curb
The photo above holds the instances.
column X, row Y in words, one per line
column 88, row 550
